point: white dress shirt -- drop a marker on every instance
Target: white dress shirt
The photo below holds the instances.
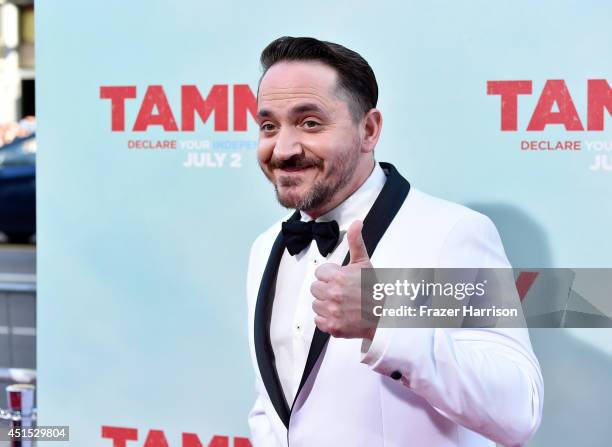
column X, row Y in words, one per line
column 292, row 325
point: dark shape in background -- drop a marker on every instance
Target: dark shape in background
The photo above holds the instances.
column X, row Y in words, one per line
column 18, row 189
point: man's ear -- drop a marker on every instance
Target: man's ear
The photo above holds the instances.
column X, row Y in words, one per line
column 371, row 125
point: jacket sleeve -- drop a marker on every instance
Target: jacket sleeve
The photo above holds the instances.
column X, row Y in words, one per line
column 262, row 433
column 487, row 380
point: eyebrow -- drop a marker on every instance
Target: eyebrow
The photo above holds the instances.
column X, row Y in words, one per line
column 297, row 110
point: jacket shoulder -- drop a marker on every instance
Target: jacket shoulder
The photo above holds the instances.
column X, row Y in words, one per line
column 442, row 214
column 444, row 233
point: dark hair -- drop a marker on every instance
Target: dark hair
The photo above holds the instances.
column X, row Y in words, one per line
column 355, row 76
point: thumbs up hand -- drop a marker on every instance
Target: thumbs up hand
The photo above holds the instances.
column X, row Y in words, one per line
column 337, row 292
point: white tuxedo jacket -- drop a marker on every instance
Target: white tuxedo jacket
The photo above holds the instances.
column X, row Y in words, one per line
column 430, row 387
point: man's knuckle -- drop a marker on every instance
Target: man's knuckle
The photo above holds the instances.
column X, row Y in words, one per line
column 338, row 277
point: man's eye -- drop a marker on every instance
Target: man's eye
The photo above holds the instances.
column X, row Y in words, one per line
column 311, row 124
column 267, row 127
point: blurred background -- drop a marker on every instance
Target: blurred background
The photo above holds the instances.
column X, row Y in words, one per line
column 17, row 195
column 576, row 363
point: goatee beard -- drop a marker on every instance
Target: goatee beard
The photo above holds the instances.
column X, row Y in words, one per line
column 322, row 192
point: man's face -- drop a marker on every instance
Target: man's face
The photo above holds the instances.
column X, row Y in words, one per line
column 309, row 144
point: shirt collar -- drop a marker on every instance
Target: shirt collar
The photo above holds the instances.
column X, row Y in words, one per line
column 357, row 205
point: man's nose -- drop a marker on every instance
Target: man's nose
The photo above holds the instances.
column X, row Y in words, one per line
column 287, row 144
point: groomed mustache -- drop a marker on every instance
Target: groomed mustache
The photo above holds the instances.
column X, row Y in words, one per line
column 295, row 162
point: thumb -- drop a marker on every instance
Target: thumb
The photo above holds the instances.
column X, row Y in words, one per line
column 357, row 248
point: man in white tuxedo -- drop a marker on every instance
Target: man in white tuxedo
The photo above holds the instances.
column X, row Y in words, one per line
column 325, row 377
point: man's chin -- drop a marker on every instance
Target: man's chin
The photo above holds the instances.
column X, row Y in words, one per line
column 289, row 197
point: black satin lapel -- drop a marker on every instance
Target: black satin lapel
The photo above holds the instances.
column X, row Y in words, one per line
column 378, row 219
column 263, row 315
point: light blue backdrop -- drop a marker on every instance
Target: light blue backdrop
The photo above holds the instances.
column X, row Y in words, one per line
column 142, row 262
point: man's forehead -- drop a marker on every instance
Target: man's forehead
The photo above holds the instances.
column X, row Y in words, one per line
column 302, row 78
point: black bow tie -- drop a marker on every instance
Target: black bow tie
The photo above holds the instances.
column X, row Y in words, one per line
column 299, row 234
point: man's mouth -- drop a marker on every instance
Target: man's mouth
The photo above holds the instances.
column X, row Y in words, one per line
column 294, row 169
